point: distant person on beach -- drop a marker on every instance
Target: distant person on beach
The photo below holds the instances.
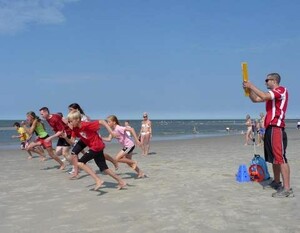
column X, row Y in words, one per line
column 298, row 125
column 59, row 127
column 261, row 129
column 88, row 134
column 145, row 134
column 23, row 137
column 275, row 141
column 37, row 127
column 79, row 146
column 248, row 135
column 195, row 131
column 125, row 155
column 127, row 125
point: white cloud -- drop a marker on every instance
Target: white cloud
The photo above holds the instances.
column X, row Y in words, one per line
column 16, row 15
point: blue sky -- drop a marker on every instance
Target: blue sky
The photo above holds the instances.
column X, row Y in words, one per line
column 175, row 59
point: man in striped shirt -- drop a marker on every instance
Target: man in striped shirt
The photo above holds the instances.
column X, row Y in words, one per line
column 275, row 141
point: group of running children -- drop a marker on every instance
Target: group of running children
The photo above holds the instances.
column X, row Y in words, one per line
column 81, row 134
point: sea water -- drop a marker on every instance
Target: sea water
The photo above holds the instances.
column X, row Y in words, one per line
column 161, row 129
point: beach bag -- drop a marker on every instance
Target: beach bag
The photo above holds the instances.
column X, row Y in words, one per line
column 256, row 173
column 257, row 160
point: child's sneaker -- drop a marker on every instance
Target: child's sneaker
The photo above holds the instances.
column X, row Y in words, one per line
column 72, row 171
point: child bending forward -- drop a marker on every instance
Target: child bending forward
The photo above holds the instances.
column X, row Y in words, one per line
column 88, row 133
column 125, row 155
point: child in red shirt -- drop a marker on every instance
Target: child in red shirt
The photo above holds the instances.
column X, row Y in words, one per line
column 88, row 133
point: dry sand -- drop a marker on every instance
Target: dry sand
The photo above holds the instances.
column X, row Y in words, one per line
column 191, row 188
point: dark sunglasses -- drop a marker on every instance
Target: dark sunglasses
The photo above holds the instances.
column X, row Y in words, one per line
column 267, row 80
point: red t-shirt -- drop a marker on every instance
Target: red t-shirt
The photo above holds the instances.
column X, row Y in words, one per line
column 88, row 133
column 276, row 108
column 57, row 124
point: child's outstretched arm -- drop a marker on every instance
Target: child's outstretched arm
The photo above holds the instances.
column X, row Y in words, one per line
column 108, row 138
column 104, row 123
column 132, row 131
column 71, row 140
column 30, row 130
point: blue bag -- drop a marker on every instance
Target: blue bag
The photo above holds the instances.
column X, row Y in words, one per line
column 261, row 162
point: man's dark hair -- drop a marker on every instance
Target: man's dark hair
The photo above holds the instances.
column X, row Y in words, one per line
column 44, row 109
column 276, row 76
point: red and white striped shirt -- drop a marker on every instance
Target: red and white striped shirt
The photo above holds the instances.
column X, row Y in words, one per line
column 276, row 107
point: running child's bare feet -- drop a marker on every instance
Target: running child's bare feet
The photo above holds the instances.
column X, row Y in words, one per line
column 98, row 184
column 42, row 159
column 29, row 157
column 142, row 175
column 62, row 167
column 74, row 177
column 116, row 164
column 121, row 185
column 134, row 165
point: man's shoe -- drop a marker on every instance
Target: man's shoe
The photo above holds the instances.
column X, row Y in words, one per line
column 273, row 185
column 284, row 193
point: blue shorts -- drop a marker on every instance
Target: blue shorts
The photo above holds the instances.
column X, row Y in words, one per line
column 262, row 131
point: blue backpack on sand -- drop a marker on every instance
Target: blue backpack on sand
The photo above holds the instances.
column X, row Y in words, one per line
column 257, row 160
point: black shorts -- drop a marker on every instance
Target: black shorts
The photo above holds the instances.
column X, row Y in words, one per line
column 98, row 157
column 128, row 150
column 275, row 144
column 78, row 147
column 62, row 142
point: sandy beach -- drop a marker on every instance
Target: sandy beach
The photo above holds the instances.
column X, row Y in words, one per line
column 191, row 188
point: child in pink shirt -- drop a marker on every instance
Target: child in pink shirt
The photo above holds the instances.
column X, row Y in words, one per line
column 125, row 155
